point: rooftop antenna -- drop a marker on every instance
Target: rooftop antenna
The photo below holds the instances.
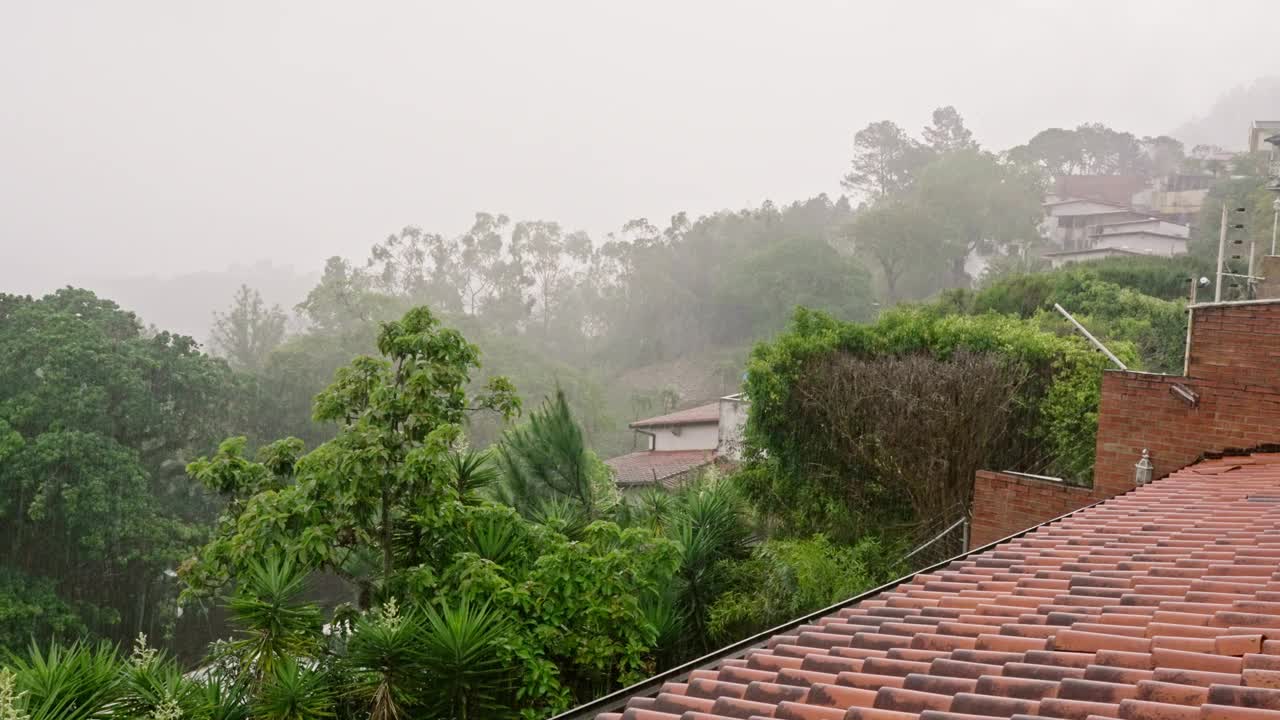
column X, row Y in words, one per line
column 1096, row 343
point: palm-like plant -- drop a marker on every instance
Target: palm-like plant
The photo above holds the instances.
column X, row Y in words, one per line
column 496, row 537
column 154, row 686
column 653, row 508
column 562, row 515
column 460, row 651
column 707, row 529
column 293, row 692
column 274, row 626
column 384, row 660
column 219, row 700
column 470, row 472
column 77, row 682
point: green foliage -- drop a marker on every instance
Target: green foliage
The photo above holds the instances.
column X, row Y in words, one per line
column 1248, row 192
column 31, row 609
column 547, row 460
column 806, row 480
column 274, row 627
column 757, row 292
column 399, row 417
column 383, row 658
column 294, row 692
column 96, row 417
column 1129, row 302
column 248, row 332
column 785, row 579
column 74, row 682
column 460, row 646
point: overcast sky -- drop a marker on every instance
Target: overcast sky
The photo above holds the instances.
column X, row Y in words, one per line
column 171, row 135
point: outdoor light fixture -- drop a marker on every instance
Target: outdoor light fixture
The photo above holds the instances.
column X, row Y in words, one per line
column 1142, row 472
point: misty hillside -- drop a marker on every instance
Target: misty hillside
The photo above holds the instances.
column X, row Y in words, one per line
column 325, row 328
column 1226, row 121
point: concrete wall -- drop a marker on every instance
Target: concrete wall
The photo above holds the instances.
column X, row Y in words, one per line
column 1234, row 370
column 702, row 436
column 733, row 420
column 1142, row 242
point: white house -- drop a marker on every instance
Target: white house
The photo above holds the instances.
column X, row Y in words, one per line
column 1146, row 242
column 1155, row 225
column 680, row 443
column 1069, row 222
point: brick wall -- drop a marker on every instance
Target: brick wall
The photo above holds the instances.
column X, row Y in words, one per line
column 1233, row 368
column 1004, row 504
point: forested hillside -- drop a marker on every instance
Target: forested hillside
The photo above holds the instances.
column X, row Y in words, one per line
column 390, row 500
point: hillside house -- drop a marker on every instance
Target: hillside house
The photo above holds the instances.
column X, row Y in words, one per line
column 680, row 444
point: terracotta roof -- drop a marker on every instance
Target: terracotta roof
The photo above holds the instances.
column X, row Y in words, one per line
column 648, row 467
column 1159, row 604
column 1108, row 188
column 708, row 413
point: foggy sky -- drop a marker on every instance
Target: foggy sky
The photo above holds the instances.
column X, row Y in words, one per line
column 175, row 136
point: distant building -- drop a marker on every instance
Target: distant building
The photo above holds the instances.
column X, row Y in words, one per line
column 1088, row 217
column 1112, row 189
column 1175, row 197
column 682, row 443
column 1259, row 131
column 1070, row 222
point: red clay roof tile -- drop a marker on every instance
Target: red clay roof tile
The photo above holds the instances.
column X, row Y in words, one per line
column 656, row 467
column 709, row 413
column 1160, row 604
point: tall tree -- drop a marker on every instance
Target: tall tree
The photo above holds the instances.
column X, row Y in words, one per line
column 398, row 418
column 547, row 459
column 246, row 333
column 885, row 160
column 95, row 412
column 482, row 248
column 898, row 239
column 978, row 204
column 948, row 132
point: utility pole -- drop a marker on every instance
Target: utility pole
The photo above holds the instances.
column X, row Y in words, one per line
column 1249, row 282
column 1275, row 222
column 1222, row 246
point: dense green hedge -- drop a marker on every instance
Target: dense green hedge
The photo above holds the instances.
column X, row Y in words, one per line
column 801, row 475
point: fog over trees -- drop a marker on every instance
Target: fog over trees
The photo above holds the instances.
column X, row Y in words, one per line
column 318, row 325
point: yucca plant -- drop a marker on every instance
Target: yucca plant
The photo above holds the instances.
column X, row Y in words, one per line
column 496, row 537
column 708, row 528
column 154, row 687
column 470, row 472
column 384, row 662
column 459, row 651
column 274, row 625
column 293, row 692
column 562, row 515
column 78, row 682
column 220, row 700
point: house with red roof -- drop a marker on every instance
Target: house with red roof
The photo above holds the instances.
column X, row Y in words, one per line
column 680, row 444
